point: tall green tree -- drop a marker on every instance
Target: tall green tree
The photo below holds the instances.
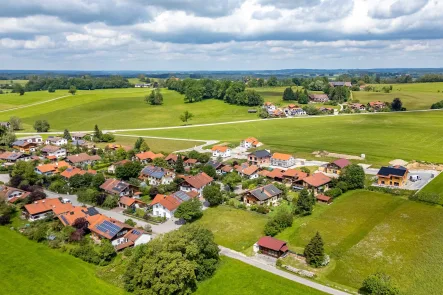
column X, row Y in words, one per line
column 314, row 251
column 41, row 126
column 212, row 194
column 155, row 98
column 354, row 176
column 72, row 90
column 98, row 135
column 138, row 143
column 189, row 210
column 186, row 116
column 379, row 284
column 396, row 105
column 272, row 81
column 288, row 94
column 16, row 123
column 67, row 135
column 304, row 203
column 179, row 167
column 208, row 169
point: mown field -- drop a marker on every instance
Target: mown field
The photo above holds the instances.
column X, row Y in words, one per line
column 234, row 228
column 236, row 277
column 30, row 268
column 365, row 232
column 14, row 100
column 157, row 145
column 116, row 109
column 435, row 186
column 415, row 96
column 381, row 137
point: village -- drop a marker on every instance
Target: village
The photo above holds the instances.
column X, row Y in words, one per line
column 152, row 186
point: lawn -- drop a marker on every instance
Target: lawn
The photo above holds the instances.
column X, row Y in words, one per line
column 435, row 186
column 234, row 228
column 158, row 145
column 381, row 137
column 365, row 232
column 415, row 96
column 236, row 277
column 13, row 100
column 23, row 82
column 119, row 109
column 30, row 268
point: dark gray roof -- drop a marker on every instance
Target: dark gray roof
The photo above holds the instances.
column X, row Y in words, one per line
column 182, row 196
column 265, row 192
column 19, row 143
column 389, row 170
column 153, row 171
column 262, row 154
column 214, row 164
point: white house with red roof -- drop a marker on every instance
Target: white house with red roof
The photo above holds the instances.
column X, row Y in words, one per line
column 165, row 205
column 221, row 151
column 250, row 142
column 196, row 182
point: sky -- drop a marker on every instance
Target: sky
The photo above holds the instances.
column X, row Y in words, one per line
column 180, row 35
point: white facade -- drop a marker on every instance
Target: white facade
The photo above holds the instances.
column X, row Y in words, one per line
column 58, row 141
column 33, row 139
column 218, row 153
column 283, row 163
column 60, row 153
column 159, row 210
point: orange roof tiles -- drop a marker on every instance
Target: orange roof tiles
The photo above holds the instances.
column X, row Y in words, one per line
column 127, row 201
column 295, row 173
column 250, row 170
column 149, row 155
column 167, row 201
column 283, row 157
column 317, row 179
column 220, row 148
column 46, row 168
column 198, row 181
column 275, row 173
column 42, row 206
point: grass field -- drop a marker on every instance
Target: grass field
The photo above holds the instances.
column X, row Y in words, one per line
column 30, row 268
column 234, row 228
column 415, row 96
column 23, row 82
column 381, row 137
column 435, row 186
column 235, row 277
column 118, row 109
column 366, row 232
column 13, row 100
column 157, row 145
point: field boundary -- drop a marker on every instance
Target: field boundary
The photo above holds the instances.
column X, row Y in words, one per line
column 34, row 104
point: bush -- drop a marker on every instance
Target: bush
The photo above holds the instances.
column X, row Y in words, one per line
column 379, row 284
column 282, row 219
column 432, row 198
column 85, row 253
column 392, row 191
column 334, row 193
column 110, row 202
column 130, row 222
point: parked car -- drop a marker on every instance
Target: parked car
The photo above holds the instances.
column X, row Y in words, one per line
column 414, row 178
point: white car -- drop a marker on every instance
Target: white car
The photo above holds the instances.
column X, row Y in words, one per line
column 66, row 201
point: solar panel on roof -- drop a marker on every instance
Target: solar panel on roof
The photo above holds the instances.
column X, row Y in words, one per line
column 92, row 211
column 64, row 219
column 136, row 232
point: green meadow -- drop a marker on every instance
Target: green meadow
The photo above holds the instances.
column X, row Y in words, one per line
column 435, row 186
column 381, row 137
column 236, row 277
column 30, row 268
column 23, row 82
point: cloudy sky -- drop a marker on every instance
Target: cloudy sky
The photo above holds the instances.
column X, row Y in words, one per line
column 219, row 34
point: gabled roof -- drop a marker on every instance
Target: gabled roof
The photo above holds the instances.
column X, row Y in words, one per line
column 50, row 148
column 12, row 156
column 191, row 161
column 261, row 154
column 154, row 171
column 6, row 192
column 392, row 171
column 127, row 201
column 220, row 148
column 250, row 170
column 149, row 155
column 21, row 143
column 295, row 173
column 172, row 157
column 169, row 202
column 54, row 138
column 317, row 179
column 342, row 163
column 273, row 244
column 275, row 173
column 107, row 227
column 198, row 181
column 71, row 171
column 265, row 192
column 227, row 168
column 44, row 205
column 114, row 186
column 282, row 157
column 318, row 96
column 214, row 164
column 68, row 218
column 83, row 157
column 323, row 198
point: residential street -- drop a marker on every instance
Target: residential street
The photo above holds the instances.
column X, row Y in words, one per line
column 266, row 267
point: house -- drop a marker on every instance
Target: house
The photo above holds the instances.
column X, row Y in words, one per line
column 217, row 166
column 266, row 195
column 165, row 205
column 376, row 105
column 259, row 158
column 51, row 151
column 55, row 140
column 249, row 172
column 317, row 182
column 24, row 146
column 250, row 142
column 337, row 166
column 226, row 169
column 272, row 247
column 343, row 84
column 113, row 167
column 392, row 176
column 108, row 228
column 282, row 160
column 269, row 107
column 77, row 212
column 34, row 139
column 154, row 175
column 323, row 199
column 357, row 106
column 114, row 147
column 326, row 110
column 50, row 169
column 295, row 112
column 12, row 194
column 43, row 208
column 171, row 159
column 221, row 151
column 148, row 156
column 72, row 171
column 127, row 202
column 83, row 159
column 276, row 174
column 196, row 182
column 78, row 136
column 189, row 163
column 13, row 157
column 117, row 187
column 277, row 113
column 318, row 97
column 133, row 238
column 294, row 176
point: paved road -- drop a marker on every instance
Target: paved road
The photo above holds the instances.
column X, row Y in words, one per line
column 254, row 262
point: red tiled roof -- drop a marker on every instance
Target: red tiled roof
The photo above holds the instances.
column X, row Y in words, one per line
column 226, row 168
column 272, row 243
column 127, row 201
column 172, row 157
column 250, row 170
column 323, row 198
column 83, row 157
column 317, row 179
column 295, row 173
column 42, row 206
column 149, row 155
column 220, row 148
column 167, row 201
column 283, row 157
column 199, row 180
column 342, row 163
column 276, row 173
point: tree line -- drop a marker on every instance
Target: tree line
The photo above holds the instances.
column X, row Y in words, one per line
column 232, row 92
column 83, row 83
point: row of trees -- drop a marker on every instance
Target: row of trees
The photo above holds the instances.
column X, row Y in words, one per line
column 230, row 92
column 83, row 83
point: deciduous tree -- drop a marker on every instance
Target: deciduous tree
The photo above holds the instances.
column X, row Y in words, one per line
column 189, row 210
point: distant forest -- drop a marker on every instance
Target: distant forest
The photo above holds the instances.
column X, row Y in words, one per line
column 84, row 83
